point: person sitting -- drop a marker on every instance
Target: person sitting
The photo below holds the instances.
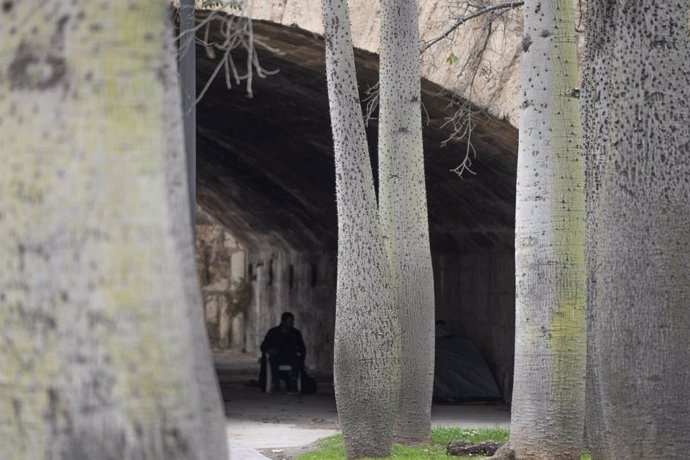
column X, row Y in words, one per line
column 284, row 345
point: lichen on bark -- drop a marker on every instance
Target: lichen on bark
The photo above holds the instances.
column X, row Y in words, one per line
column 550, row 338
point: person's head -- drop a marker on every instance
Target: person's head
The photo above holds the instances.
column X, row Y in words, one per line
column 287, row 320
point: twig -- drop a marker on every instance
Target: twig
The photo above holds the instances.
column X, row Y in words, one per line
column 464, row 19
column 236, row 32
column 372, row 101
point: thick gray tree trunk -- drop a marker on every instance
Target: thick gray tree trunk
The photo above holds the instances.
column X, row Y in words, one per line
column 550, row 337
column 367, row 329
column 99, row 323
column 637, row 120
column 403, row 211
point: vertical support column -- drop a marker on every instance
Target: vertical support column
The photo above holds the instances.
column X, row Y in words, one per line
column 188, row 85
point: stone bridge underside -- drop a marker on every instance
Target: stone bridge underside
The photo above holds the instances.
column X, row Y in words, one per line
column 265, row 171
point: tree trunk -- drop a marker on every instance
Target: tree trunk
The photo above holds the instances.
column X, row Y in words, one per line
column 97, row 349
column 637, row 123
column 367, row 329
column 550, row 337
column 403, row 211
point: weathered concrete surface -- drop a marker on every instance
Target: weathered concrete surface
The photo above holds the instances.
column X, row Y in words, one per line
column 303, row 284
column 241, row 452
column 221, row 265
column 474, row 293
column 265, row 165
column 496, row 87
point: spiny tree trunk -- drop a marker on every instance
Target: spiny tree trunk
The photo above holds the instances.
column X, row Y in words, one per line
column 367, row 329
column 637, row 121
column 403, row 211
column 550, row 338
column 96, row 341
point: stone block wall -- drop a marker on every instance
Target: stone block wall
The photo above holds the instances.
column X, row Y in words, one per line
column 221, row 265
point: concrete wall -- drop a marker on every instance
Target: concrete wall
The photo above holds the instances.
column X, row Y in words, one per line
column 496, row 86
column 475, row 294
column 303, row 284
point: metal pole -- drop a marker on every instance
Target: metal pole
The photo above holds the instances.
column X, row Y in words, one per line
column 188, row 84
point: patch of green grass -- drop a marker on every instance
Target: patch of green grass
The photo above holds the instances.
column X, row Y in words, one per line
column 445, row 434
column 331, row 448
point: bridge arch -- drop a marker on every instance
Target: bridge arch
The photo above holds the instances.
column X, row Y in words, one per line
column 266, row 201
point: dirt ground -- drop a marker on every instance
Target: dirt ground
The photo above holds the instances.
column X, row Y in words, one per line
column 281, row 426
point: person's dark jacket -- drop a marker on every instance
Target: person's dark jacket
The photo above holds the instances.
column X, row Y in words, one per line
column 286, row 343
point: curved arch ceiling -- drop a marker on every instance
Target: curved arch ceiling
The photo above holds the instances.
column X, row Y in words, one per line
column 265, row 165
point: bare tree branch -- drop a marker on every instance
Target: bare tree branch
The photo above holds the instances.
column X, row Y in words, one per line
column 372, row 100
column 461, row 121
column 464, row 19
column 237, row 32
column 475, row 63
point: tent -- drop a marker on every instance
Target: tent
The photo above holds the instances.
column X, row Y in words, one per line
column 461, row 374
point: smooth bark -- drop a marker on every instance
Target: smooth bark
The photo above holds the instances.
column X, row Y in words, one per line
column 637, row 125
column 403, row 213
column 97, row 348
column 367, row 329
column 547, row 414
